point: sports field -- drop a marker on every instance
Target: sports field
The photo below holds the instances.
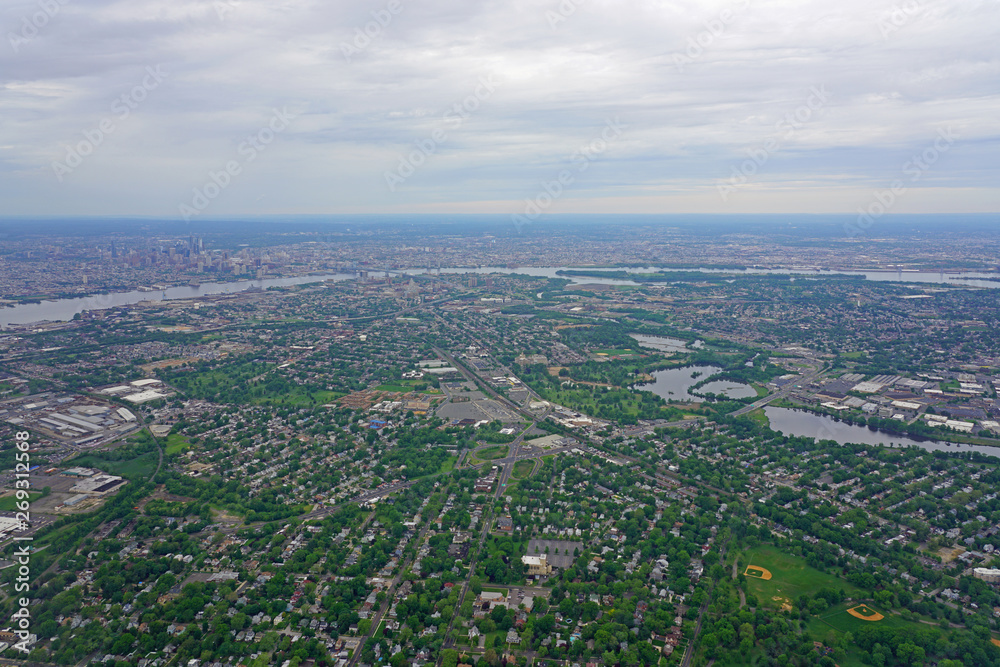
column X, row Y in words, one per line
column 852, row 616
column 777, row 578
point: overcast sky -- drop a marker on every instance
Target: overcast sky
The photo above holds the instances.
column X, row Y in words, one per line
column 475, row 106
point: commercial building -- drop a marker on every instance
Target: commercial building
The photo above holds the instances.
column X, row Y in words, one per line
column 538, row 566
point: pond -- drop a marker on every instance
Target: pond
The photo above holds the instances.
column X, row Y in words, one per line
column 824, row 427
column 727, row 388
column 667, row 344
column 674, row 384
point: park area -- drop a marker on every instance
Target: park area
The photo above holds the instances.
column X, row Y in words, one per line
column 778, row 578
column 852, row 616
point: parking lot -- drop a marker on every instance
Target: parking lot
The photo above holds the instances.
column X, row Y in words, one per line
column 557, row 556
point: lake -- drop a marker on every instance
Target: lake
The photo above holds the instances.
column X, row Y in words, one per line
column 674, row 383
column 824, row 427
column 666, row 344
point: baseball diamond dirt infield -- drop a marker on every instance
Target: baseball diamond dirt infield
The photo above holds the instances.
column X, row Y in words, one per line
column 758, row 572
column 865, row 613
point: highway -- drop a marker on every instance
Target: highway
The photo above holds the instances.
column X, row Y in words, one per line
column 781, row 393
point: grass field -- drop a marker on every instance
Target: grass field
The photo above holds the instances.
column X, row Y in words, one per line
column 299, row 397
column 139, row 467
column 522, row 469
column 840, row 619
column 449, row 464
column 790, row 577
column 759, row 417
column 403, row 386
column 8, row 503
column 491, row 453
column 176, row 443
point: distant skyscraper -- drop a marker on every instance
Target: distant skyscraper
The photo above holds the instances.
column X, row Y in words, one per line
column 114, row 250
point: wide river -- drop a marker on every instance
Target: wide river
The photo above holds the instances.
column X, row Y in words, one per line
column 61, row 310
column 967, row 279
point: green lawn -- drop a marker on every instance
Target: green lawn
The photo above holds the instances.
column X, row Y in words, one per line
column 791, row 577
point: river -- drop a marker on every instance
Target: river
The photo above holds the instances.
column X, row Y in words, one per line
column 62, row 310
column 964, row 279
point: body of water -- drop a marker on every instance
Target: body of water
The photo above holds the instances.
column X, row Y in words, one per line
column 967, row 279
column 728, row 388
column 824, row 427
column 675, row 383
column 667, row 344
column 63, row 310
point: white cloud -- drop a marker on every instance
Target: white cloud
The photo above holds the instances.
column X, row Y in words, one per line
column 699, row 85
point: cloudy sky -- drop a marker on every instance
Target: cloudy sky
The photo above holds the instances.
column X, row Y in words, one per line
column 176, row 108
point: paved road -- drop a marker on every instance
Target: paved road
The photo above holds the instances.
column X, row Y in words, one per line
column 475, row 379
column 781, row 393
column 449, row 639
column 743, row 596
column 390, row 592
column 689, row 652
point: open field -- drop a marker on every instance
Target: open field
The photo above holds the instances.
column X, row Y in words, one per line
column 175, row 444
column 491, row 453
column 139, row 467
column 523, row 468
column 9, row 503
column 790, row 577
